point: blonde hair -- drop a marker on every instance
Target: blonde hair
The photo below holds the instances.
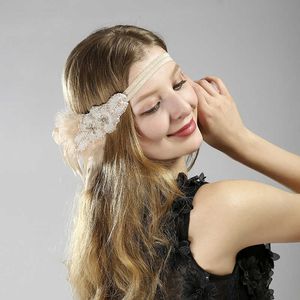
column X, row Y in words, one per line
column 119, row 217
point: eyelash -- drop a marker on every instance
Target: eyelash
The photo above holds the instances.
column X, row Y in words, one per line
column 154, row 109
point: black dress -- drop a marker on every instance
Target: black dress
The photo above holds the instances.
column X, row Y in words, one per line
column 252, row 273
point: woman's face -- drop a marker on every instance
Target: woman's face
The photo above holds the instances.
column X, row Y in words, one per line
column 171, row 105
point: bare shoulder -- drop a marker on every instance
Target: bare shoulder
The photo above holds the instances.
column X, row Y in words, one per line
column 241, row 213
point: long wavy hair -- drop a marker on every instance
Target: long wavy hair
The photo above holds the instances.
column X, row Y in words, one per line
column 117, row 223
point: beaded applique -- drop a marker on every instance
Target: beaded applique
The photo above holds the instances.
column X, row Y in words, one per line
column 100, row 120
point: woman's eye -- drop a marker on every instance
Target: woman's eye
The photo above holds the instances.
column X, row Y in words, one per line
column 153, row 109
column 180, row 84
column 177, row 87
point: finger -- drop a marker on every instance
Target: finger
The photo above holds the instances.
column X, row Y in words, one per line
column 202, row 89
column 215, row 86
column 200, row 95
column 221, row 86
column 208, row 87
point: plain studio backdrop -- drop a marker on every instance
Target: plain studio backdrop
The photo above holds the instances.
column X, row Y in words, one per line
column 253, row 46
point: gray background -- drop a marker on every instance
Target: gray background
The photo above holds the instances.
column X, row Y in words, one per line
column 251, row 45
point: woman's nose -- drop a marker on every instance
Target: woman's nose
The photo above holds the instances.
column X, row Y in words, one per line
column 179, row 107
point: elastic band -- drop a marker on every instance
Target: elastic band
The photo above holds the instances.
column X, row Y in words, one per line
column 150, row 69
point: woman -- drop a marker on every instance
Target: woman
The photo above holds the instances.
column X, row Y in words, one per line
column 142, row 229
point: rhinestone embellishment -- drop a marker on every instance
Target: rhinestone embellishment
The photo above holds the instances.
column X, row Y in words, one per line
column 100, row 120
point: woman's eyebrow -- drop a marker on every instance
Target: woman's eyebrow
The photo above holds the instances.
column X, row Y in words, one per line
column 172, row 74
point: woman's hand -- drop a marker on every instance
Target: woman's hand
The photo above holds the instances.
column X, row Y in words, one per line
column 222, row 127
column 218, row 118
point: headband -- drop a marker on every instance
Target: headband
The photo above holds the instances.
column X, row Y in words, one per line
column 77, row 133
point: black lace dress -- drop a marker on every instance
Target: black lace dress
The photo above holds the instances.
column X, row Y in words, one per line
column 252, row 273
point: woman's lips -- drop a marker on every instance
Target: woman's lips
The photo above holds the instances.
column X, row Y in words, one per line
column 186, row 130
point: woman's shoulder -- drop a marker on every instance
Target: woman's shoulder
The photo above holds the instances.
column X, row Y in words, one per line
column 216, row 222
column 215, row 193
column 211, row 229
column 220, row 188
column 217, row 212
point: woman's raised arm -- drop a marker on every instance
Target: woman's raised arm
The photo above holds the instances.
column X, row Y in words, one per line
column 267, row 158
column 223, row 129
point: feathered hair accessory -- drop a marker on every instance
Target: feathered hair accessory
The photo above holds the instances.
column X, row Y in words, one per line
column 82, row 136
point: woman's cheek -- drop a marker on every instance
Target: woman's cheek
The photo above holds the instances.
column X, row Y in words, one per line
column 155, row 129
column 191, row 96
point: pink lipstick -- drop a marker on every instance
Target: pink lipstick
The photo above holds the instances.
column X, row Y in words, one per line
column 186, row 130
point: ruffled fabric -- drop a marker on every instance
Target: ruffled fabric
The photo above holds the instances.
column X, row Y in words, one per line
column 256, row 263
column 252, row 273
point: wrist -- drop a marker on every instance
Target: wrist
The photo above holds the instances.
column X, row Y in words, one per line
column 242, row 143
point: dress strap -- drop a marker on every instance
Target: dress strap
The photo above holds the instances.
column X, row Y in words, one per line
column 183, row 220
column 183, row 205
